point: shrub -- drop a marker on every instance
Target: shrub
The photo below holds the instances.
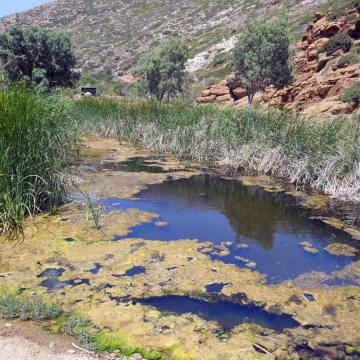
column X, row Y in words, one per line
column 352, row 93
column 340, row 41
column 26, row 308
column 348, row 59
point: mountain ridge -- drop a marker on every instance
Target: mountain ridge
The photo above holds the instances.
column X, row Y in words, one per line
column 109, row 36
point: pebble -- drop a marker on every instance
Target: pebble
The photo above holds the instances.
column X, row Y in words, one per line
column 8, row 325
column 51, row 345
column 71, row 351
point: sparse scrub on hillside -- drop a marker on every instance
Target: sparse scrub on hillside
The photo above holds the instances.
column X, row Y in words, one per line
column 348, row 59
column 324, row 154
column 341, row 41
column 352, row 93
column 37, row 137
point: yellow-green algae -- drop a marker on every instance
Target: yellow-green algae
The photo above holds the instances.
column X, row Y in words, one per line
column 179, row 336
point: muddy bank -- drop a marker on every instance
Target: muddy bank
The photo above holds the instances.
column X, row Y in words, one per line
column 90, row 273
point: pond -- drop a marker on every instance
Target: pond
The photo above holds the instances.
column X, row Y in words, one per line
column 260, row 230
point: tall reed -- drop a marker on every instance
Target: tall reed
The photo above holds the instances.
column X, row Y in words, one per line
column 325, row 154
column 37, row 140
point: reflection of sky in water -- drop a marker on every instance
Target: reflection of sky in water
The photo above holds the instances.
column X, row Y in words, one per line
column 209, row 208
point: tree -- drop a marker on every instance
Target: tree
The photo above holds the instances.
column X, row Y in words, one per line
column 162, row 69
column 38, row 56
column 261, row 56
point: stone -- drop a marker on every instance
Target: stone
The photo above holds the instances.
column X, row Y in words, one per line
column 226, row 97
column 322, row 90
column 319, row 15
column 219, row 90
column 206, row 99
column 322, row 61
column 312, row 55
column 330, row 30
column 239, row 92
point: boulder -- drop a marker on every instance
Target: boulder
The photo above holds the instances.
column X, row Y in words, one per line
column 219, row 90
column 224, row 98
column 239, row 92
column 329, row 30
column 206, row 99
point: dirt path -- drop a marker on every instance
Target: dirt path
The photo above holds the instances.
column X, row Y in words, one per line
column 27, row 341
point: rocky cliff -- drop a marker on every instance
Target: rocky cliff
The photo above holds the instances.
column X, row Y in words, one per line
column 327, row 63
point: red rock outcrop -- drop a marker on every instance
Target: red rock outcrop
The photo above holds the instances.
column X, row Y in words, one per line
column 320, row 78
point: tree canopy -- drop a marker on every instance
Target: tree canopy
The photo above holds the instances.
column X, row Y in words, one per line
column 37, row 56
column 162, row 69
column 261, row 56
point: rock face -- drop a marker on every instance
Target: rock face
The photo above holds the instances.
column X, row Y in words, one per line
column 320, row 77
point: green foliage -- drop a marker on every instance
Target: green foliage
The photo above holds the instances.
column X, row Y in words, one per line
column 352, row 93
column 261, row 56
column 38, row 56
column 348, row 59
column 37, row 139
column 340, row 41
column 26, row 308
column 162, row 69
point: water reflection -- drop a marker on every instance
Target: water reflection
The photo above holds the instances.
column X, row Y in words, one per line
column 210, row 208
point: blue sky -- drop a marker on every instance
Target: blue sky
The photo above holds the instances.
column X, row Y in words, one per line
column 12, row 6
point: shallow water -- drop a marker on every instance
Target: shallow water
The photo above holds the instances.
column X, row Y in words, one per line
column 226, row 313
column 257, row 226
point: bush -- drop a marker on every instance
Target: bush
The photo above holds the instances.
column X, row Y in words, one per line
column 340, row 41
column 348, row 59
column 37, row 140
column 352, row 93
column 26, row 308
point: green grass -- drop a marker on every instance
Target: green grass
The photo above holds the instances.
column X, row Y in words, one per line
column 37, row 139
column 325, row 154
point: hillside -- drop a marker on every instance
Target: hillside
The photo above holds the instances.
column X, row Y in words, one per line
column 110, row 35
column 326, row 70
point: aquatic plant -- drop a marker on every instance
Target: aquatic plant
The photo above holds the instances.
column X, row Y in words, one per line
column 14, row 306
column 92, row 210
column 37, row 140
column 325, row 154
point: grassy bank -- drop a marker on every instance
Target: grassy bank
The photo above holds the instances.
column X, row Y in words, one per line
column 37, row 138
column 325, row 154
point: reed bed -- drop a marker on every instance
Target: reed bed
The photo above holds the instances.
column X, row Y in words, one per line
column 37, row 140
column 324, row 154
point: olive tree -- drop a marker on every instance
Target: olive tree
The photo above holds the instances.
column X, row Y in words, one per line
column 37, row 56
column 162, row 69
column 261, row 56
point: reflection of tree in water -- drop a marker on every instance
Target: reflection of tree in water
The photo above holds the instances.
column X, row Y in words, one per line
column 252, row 212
